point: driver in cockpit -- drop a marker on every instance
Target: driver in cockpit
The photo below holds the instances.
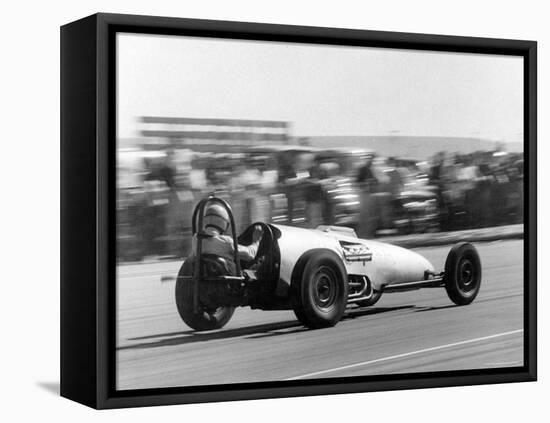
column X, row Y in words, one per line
column 216, row 222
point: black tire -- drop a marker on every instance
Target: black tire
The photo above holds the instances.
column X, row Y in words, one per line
column 320, row 290
column 371, row 301
column 462, row 273
column 205, row 319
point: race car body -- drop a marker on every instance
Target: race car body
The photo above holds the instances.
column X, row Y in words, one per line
column 318, row 273
column 381, row 263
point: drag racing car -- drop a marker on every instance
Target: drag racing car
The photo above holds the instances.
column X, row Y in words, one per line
column 318, row 273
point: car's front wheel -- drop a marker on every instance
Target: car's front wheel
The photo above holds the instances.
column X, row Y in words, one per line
column 462, row 273
column 320, row 292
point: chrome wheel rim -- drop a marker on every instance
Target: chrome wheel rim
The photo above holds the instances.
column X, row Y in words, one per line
column 466, row 275
column 325, row 287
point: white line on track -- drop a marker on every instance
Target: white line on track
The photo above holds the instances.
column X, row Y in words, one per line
column 393, row 357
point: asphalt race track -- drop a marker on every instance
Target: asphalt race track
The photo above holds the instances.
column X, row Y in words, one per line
column 405, row 332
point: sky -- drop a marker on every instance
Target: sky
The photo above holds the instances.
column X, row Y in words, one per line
column 320, row 89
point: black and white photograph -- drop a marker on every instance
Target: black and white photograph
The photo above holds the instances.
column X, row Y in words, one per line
column 293, row 211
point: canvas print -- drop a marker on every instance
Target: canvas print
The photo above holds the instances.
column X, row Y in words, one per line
column 291, row 211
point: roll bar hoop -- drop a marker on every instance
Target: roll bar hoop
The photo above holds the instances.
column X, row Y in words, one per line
column 197, row 225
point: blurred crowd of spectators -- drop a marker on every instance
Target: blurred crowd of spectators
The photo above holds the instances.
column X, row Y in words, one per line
column 158, row 189
column 479, row 189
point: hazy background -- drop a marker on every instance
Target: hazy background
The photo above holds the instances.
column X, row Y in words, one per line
column 443, row 131
column 322, row 90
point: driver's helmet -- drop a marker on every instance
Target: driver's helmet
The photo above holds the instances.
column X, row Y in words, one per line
column 216, row 216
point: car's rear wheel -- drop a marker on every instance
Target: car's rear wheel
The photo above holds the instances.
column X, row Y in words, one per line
column 320, row 292
column 206, row 318
column 462, row 273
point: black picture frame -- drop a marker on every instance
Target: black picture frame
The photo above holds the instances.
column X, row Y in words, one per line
column 87, row 213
